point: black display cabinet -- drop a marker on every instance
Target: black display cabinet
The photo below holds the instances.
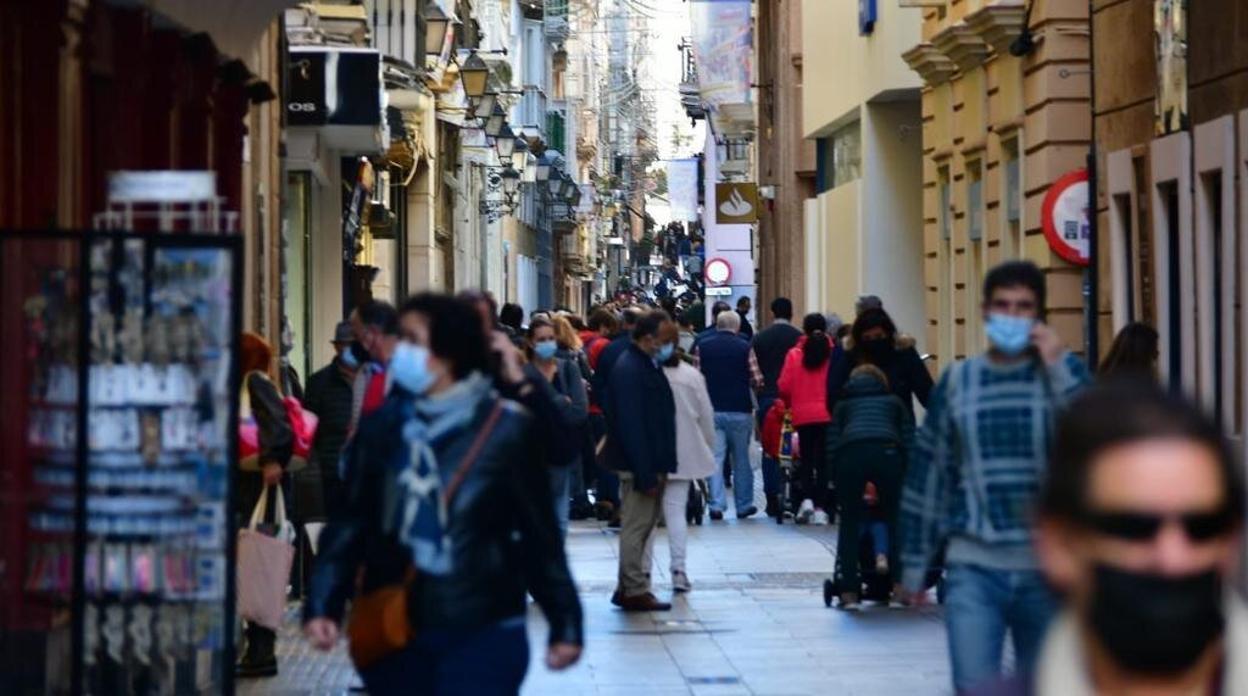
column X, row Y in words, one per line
column 119, row 393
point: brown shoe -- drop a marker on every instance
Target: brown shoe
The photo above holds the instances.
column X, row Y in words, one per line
column 617, row 598
column 645, row 602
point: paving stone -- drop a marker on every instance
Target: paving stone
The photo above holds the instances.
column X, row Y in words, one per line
column 754, row 624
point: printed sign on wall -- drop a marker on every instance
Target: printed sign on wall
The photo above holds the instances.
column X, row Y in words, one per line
column 736, row 203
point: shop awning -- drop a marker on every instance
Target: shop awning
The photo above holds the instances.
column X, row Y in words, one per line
column 234, row 25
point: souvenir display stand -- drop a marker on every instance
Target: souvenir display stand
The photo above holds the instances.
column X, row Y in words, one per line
column 119, row 430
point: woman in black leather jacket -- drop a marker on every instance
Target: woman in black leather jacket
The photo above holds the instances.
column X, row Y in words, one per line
column 477, row 556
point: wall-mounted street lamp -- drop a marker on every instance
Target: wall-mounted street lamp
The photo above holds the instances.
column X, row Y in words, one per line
column 520, row 154
column 436, row 25
column 511, row 181
column 474, row 73
column 494, row 124
column 505, row 143
column 485, row 105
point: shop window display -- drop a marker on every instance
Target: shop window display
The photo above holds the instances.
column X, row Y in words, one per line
column 123, row 535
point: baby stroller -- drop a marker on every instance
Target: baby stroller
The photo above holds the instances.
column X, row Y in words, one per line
column 877, row 584
column 779, row 441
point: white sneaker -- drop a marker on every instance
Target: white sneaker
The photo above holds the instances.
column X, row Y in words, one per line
column 819, row 518
column 680, row 582
column 805, row 511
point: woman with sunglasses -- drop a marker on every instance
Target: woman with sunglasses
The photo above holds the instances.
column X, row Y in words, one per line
column 1141, row 525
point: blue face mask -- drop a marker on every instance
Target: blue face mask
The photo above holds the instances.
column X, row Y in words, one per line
column 545, row 350
column 1009, row 335
column 665, row 352
column 348, row 359
column 409, row 368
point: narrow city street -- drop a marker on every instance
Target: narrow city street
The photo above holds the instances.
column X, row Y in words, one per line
column 754, row 624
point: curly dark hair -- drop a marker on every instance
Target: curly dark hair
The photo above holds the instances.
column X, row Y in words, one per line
column 455, row 332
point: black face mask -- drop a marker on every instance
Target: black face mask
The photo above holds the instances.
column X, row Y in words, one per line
column 1151, row 624
column 877, row 350
column 361, row 355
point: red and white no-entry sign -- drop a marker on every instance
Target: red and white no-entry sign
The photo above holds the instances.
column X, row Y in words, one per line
column 1064, row 217
column 717, row 272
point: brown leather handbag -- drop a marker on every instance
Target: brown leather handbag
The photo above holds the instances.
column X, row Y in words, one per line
column 380, row 624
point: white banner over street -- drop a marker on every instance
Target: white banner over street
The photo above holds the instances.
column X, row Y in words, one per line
column 682, row 189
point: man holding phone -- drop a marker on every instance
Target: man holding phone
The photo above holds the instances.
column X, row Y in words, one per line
column 974, row 474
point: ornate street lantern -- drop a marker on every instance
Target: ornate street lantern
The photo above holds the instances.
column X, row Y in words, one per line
column 474, row 73
column 436, row 24
column 505, row 144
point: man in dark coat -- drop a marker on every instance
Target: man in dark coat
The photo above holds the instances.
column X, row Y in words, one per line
column 743, row 309
column 771, row 346
column 641, row 445
column 329, row 396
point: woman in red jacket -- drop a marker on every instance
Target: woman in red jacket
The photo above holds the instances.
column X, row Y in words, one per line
column 803, row 386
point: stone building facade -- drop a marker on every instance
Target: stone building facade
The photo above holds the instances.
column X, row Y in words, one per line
column 998, row 130
column 1172, row 141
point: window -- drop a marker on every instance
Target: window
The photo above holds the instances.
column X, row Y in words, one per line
column 1170, row 159
column 1012, row 199
column 846, row 154
column 945, row 260
column 974, row 254
column 1217, row 272
column 555, row 131
column 838, row 158
column 944, row 213
column 974, row 201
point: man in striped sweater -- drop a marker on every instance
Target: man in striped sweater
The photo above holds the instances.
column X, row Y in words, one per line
column 974, row 474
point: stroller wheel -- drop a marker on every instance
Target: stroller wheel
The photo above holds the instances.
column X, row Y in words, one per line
column 829, row 591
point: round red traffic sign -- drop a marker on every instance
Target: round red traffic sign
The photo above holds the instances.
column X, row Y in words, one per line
column 717, row 272
column 1064, row 217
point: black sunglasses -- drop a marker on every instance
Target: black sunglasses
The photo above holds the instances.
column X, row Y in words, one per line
column 1143, row 526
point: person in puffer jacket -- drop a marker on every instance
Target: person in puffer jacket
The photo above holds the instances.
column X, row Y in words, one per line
column 870, row 434
column 803, row 386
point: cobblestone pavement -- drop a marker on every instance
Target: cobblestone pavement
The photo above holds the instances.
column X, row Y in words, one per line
column 754, row 624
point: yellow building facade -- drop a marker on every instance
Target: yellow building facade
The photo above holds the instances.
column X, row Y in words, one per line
column 863, row 229
column 998, row 130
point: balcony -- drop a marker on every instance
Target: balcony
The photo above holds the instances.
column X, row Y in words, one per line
column 574, row 251
column 555, row 19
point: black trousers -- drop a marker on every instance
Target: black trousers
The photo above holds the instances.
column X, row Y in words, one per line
column 884, row 464
column 811, row 478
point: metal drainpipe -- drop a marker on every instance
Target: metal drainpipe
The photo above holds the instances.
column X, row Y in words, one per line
column 1093, row 272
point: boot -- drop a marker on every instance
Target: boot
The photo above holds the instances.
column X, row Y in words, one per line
column 260, row 658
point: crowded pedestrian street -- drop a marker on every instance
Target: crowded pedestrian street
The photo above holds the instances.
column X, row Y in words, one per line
column 623, row 347
column 754, row 624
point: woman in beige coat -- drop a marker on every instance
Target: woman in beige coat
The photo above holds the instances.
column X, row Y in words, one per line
column 695, row 435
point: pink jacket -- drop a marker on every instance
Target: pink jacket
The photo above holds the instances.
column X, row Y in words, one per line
column 805, row 391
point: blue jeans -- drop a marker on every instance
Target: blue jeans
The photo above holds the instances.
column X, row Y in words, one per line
column 732, row 434
column 441, row 662
column 981, row 605
column 771, row 465
column 878, row 531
